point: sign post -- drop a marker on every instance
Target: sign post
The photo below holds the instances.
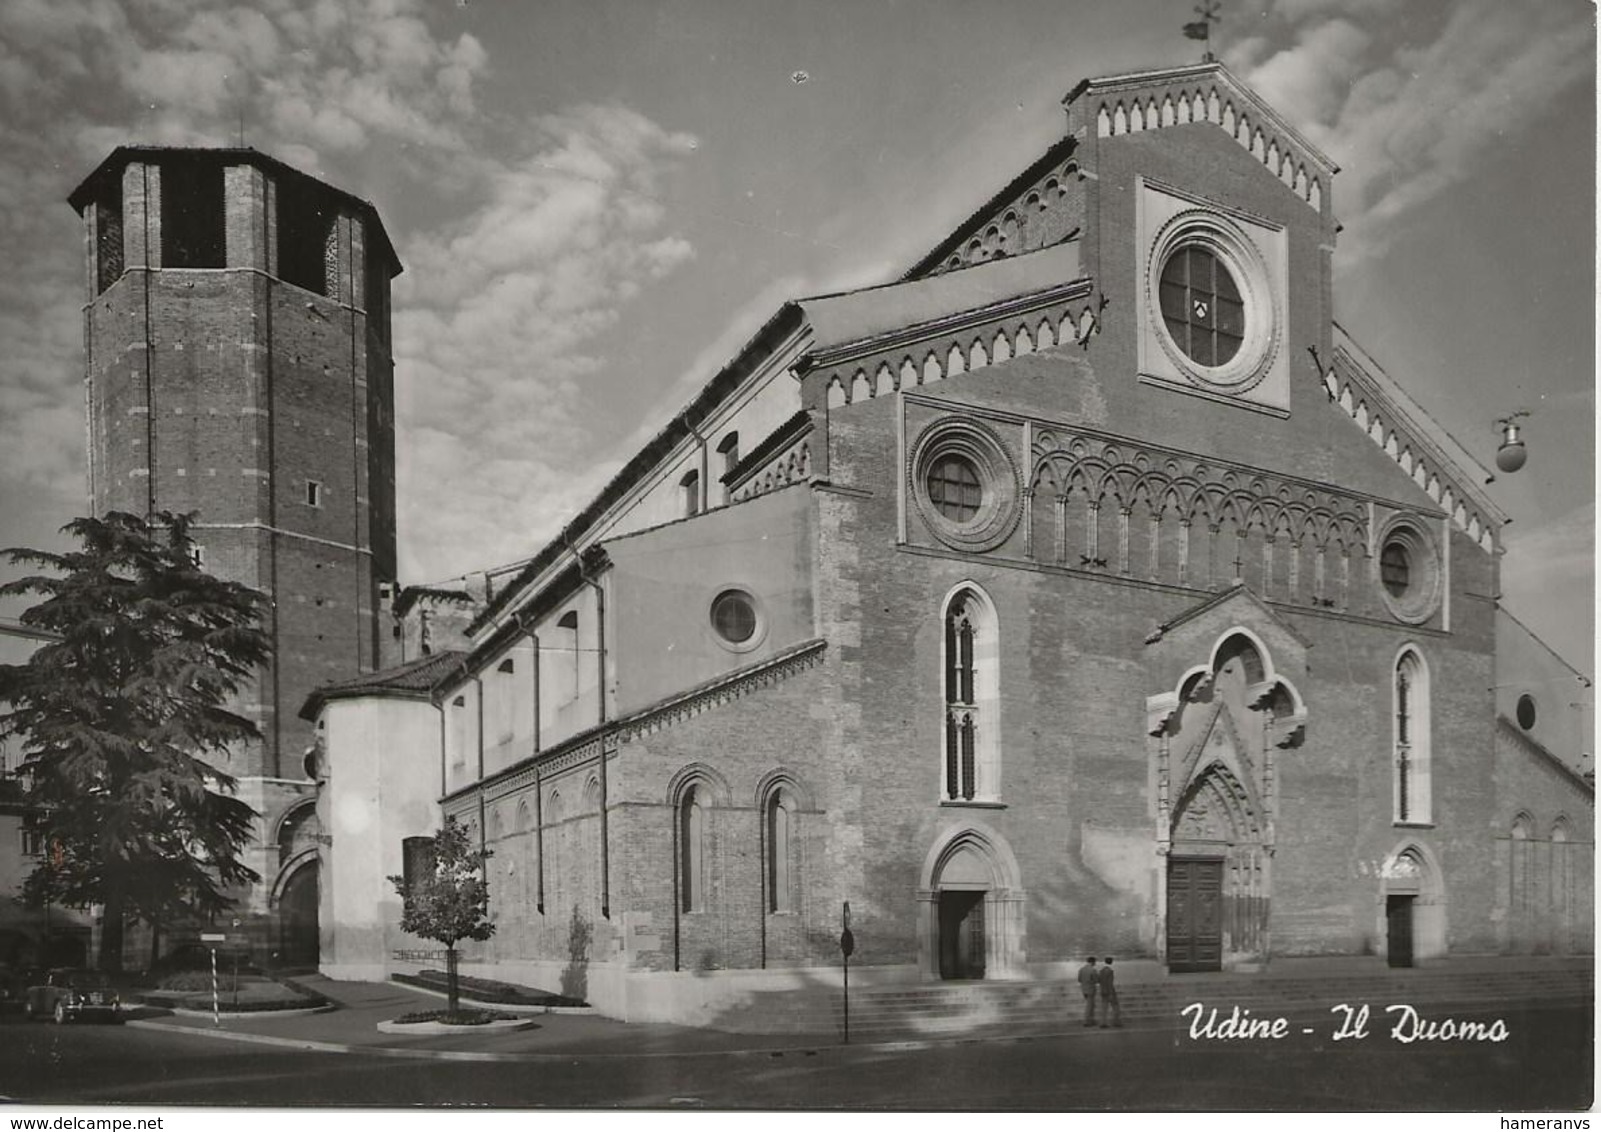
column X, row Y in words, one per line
column 214, row 938
column 847, row 944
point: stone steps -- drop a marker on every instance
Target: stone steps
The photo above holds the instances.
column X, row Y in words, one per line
column 981, row 1008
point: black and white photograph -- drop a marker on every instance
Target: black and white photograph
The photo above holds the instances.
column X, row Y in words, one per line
column 795, row 556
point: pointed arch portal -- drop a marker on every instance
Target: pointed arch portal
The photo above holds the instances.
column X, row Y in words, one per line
column 1412, row 897
column 970, row 908
column 1216, row 739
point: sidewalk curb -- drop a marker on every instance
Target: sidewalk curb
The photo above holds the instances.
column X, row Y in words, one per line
column 834, row 1046
column 900, row 1046
column 507, row 1007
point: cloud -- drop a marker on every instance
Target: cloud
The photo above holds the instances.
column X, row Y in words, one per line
column 1308, row 82
column 1302, row 9
column 501, row 316
column 1375, row 103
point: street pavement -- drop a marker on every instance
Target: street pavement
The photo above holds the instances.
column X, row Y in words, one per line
column 1546, row 1063
column 353, row 1028
column 339, row 1058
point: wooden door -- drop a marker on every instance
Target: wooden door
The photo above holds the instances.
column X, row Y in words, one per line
column 297, row 920
column 1398, row 915
column 1194, row 914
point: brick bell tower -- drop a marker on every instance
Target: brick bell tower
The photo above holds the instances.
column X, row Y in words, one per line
column 239, row 365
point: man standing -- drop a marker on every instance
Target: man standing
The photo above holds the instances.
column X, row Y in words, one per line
column 1087, row 983
column 1109, row 1005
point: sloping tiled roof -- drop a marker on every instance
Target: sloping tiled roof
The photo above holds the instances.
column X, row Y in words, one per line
column 413, row 680
column 783, row 323
column 853, row 316
column 1058, row 151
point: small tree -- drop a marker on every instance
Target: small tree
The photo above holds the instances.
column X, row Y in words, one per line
column 124, row 720
column 447, row 899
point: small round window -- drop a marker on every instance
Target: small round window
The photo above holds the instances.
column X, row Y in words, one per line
column 1526, row 712
column 1202, row 306
column 1395, row 568
column 1409, row 576
column 954, row 488
column 734, row 617
column 964, row 484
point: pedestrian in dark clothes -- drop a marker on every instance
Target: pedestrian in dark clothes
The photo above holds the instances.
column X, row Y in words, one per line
column 1110, row 1010
column 1088, row 984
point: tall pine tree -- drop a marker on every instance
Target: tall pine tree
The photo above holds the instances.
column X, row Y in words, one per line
column 125, row 722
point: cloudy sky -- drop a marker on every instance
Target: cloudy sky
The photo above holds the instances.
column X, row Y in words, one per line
column 597, row 201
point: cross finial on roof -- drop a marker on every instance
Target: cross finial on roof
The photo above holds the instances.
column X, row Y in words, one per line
column 1202, row 28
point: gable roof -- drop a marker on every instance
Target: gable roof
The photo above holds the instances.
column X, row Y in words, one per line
column 1240, row 592
column 850, row 317
column 1057, row 153
column 1112, row 86
column 414, row 680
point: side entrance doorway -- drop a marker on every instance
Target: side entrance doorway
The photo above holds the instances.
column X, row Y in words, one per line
column 1398, row 925
column 970, row 922
column 961, row 935
column 1195, row 913
column 297, row 918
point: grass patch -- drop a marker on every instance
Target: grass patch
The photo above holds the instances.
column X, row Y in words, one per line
column 189, row 990
column 488, row 990
column 460, row 1018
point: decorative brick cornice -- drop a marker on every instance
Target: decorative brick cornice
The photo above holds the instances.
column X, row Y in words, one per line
column 723, row 690
column 953, row 324
column 1154, row 100
column 1068, row 314
column 1377, row 405
column 586, row 746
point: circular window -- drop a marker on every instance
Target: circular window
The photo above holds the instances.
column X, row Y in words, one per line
column 1526, row 712
column 954, row 489
column 1408, row 572
column 736, row 620
column 1201, row 306
column 1209, row 287
column 965, row 484
column 1395, row 568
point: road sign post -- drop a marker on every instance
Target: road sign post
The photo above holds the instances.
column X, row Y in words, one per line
column 214, row 938
column 847, row 944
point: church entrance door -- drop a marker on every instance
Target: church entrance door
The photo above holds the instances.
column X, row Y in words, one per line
column 1195, row 914
column 961, row 935
column 297, row 919
column 1398, row 917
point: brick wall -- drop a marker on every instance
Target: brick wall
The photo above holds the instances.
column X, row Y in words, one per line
column 224, row 392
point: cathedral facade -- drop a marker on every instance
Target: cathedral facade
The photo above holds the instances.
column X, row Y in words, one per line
column 1088, row 589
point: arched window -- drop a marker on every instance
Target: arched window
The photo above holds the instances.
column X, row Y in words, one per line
column 1520, row 882
column 729, row 447
column 971, row 766
column 570, row 674
column 691, row 851
column 690, row 486
column 1562, row 888
column 503, row 703
column 1410, row 726
column 780, row 826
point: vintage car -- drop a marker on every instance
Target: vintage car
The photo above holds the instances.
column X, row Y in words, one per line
column 12, row 985
column 70, row 993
